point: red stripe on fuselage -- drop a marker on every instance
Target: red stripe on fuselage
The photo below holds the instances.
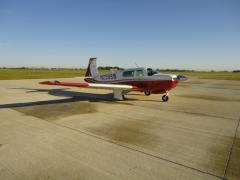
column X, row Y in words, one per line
column 155, row 86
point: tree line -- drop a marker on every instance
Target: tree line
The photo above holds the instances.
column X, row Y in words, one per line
column 113, row 68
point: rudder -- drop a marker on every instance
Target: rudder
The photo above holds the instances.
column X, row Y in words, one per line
column 92, row 68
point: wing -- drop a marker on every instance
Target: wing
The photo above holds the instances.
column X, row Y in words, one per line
column 93, row 85
column 83, row 77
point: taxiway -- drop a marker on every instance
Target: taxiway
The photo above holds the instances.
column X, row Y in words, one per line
column 50, row 132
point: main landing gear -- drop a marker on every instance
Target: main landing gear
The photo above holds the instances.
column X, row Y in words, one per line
column 147, row 93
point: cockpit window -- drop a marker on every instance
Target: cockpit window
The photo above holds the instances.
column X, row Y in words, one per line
column 139, row 73
column 128, row 73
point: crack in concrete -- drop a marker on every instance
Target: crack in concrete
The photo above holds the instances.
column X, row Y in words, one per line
column 230, row 152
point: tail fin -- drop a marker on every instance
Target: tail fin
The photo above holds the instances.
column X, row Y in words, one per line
column 92, row 68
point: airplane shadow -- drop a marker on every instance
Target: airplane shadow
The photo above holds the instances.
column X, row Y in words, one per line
column 145, row 100
column 70, row 96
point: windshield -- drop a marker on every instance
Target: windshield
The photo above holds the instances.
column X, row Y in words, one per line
column 151, row 71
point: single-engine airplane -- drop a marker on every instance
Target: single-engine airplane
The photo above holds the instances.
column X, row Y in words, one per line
column 124, row 81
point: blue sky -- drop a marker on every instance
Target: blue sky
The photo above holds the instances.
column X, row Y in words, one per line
column 189, row 34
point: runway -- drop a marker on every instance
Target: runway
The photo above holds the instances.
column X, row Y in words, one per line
column 50, row 132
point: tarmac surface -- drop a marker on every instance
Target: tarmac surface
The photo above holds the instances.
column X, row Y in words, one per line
column 51, row 132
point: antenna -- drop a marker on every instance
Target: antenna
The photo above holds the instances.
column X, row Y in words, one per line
column 136, row 65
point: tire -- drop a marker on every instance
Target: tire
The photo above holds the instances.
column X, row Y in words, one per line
column 147, row 93
column 165, row 98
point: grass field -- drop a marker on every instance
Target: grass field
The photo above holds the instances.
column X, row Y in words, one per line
column 8, row 74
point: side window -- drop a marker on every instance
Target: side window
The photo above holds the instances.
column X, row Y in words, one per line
column 139, row 73
column 128, row 73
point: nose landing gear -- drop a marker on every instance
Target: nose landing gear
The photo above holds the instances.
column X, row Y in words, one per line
column 165, row 98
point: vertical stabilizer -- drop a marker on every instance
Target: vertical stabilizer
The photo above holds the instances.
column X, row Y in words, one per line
column 92, row 68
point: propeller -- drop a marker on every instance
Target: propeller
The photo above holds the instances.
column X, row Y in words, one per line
column 181, row 77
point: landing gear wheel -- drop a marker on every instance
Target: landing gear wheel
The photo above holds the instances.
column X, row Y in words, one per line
column 147, row 93
column 123, row 97
column 165, row 98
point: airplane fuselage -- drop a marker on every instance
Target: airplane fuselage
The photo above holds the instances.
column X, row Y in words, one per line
column 156, row 84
